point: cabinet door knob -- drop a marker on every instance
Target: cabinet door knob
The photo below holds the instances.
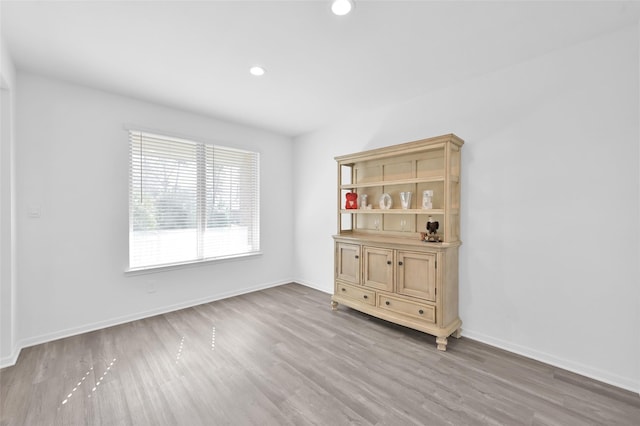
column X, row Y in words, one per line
column 388, row 262
column 421, row 312
column 365, row 296
column 387, row 303
column 400, row 263
column 357, row 257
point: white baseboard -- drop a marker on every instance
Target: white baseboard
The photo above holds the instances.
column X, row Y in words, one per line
column 314, row 286
column 574, row 367
column 61, row 334
column 9, row 360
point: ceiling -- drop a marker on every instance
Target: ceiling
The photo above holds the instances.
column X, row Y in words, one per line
column 196, row 55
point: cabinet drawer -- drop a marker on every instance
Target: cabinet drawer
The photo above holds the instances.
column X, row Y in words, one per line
column 415, row 310
column 356, row 293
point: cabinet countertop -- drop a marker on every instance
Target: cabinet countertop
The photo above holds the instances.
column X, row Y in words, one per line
column 396, row 241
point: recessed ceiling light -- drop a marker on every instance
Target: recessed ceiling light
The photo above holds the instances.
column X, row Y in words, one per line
column 341, row 7
column 258, row 71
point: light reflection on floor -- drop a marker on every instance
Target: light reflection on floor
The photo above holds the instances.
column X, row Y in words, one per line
column 80, row 383
column 102, row 377
column 180, row 347
column 83, row 380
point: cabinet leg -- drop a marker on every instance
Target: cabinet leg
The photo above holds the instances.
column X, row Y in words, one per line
column 456, row 334
column 442, row 343
column 334, row 305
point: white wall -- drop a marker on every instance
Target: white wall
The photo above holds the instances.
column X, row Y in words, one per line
column 8, row 270
column 550, row 202
column 72, row 164
column 638, row 311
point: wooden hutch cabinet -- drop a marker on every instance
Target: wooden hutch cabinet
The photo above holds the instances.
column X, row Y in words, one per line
column 383, row 266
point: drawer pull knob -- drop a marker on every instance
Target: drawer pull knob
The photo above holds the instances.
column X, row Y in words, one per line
column 357, row 257
column 388, row 262
column 421, row 312
column 400, row 263
column 344, row 289
column 365, row 296
column 387, row 303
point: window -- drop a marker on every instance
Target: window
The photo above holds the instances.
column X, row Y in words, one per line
column 190, row 201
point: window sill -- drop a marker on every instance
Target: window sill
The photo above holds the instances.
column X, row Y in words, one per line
column 182, row 265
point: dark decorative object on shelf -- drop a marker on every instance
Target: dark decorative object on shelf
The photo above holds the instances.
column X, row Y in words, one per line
column 432, row 231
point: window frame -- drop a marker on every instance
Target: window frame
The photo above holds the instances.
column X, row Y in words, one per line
column 200, row 200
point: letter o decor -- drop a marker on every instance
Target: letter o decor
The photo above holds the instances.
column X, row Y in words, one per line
column 385, row 201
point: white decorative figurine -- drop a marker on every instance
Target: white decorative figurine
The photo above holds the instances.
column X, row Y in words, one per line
column 405, row 200
column 385, row 201
column 426, row 199
column 363, row 201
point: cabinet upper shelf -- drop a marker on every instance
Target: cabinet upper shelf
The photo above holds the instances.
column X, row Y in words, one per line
column 397, row 182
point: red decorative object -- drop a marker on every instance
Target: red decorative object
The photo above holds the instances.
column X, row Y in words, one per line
column 352, row 200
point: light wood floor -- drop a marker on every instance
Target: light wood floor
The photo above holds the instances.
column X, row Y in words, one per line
column 282, row 357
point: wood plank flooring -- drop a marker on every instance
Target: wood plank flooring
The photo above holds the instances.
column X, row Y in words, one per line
column 282, row 357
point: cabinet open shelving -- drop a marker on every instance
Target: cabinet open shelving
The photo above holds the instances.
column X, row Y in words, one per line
column 431, row 164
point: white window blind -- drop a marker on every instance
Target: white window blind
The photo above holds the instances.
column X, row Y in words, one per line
column 190, row 201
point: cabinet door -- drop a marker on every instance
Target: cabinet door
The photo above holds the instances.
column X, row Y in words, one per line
column 417, row 274
column 348, row 262
column 378, row 268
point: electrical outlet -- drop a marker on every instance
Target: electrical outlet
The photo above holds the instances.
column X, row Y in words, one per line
column 35, row 212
